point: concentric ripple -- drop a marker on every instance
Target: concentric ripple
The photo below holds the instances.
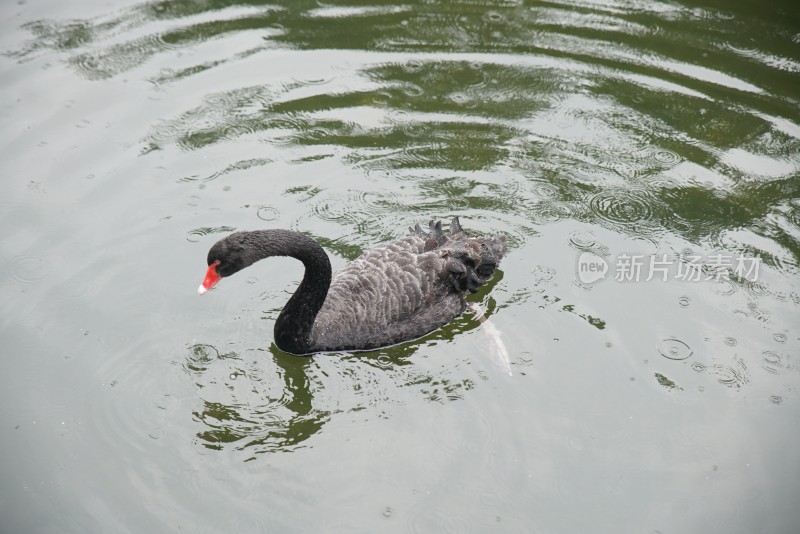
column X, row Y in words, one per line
column 372, row 215
column 551, row 212
column 583, row 240
column 268, row 213
column 28, row 270
column 198, row 234
column 664, row 157
column 74, row 289
column 622, row 207
column 734, row 377
column 771, row 362
column 674, row 349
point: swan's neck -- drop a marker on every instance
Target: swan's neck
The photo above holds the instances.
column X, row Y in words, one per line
column 294, row 324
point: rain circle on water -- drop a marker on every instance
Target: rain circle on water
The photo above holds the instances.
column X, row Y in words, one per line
column 622, row 207
column 674, row 349
column 268, row 213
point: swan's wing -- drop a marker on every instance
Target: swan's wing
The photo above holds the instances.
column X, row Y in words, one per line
column 405, row 289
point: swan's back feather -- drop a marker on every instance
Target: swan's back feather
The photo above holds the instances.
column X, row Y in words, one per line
column 404, row 289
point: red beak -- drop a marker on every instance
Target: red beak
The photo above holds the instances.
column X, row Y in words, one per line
column 211, row 278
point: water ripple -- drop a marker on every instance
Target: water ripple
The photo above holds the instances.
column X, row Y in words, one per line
column 734, row 377
column 98, row 65
column 268, row 213
column 551, row 212
column 240, row 409
column 622, row 207
column 674, row 349
column 77, row 288
column 664, row 157
column 771, row 60
column 238, row 166
column 585, row 240
column 546, row 191
column 771, row 362
column 371, row 215
column 28, row 270
column 198, row 234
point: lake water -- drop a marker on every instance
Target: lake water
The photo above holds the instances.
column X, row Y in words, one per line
column 643, row 159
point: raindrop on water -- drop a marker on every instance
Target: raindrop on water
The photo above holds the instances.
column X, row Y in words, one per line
column 27, row 270
column 526, row 359
column 268, row 213
column 666, row 157
column 674, row 349
column 551, row 212
column 413, row 65
column 583, row 240
column 197, row 234
column 494, row 16
column 385, row 360
column 771, row 362
column 622, row 207
column 459, row 98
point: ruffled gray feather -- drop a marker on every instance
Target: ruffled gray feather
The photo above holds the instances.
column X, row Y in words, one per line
column 405, row 289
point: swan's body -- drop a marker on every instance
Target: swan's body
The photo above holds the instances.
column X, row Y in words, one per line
column 392, row 293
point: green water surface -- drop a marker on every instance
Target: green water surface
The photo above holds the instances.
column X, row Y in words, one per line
column 597, row 135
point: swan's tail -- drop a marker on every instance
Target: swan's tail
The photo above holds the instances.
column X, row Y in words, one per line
column 471, row 260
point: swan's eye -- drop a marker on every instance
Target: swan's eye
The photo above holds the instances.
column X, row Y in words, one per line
column 216, row 263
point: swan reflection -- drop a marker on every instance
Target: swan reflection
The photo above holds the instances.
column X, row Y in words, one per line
column 265, row 400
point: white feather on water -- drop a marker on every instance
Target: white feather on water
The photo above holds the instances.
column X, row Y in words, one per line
column 497, row 349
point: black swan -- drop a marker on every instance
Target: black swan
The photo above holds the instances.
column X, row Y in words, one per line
column 392, row 293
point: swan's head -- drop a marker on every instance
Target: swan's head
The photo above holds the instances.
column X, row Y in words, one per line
column 226, row 257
